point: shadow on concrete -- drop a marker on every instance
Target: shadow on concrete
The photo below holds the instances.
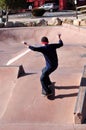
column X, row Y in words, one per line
column 53, row 96
column 22, row 72
column 66, row 95
column 26, row 74
column 66, row 87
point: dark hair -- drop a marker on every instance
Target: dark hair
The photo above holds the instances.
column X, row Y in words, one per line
column 44, row 39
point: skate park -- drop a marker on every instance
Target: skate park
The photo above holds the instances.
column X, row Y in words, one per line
column 22, row 105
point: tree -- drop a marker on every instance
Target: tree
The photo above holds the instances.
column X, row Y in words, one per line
column 13, row 4
column 70, row 4
column 2, row 4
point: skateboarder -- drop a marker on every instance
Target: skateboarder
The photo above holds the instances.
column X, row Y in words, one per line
column 50, row 55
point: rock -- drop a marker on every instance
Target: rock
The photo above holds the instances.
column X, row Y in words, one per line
column 19, row 24
column 9, row 24
column 30, row 24
column 41, row 22
column 76, row 22
column 55, row 21
column 0, row 20
column 4, row 20
column 68, row 21
column 83, row 23
column 1, row 24
column 33, row 23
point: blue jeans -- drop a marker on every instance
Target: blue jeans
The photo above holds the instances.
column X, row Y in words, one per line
column 45, row 80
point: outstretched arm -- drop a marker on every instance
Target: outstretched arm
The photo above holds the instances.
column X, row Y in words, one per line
column 39, row 49
column 60, row 41
column 59, row 44
column 59, row 36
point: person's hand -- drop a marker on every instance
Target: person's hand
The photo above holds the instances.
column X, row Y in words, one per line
column 25, row 43
column 59, row 35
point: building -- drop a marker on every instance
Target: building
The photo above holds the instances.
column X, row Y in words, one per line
column 63, row 4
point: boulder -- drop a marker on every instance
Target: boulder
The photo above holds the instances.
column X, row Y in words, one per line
column 68, row 21
column 30, row 24
column 4, row 20
column 76, row 22
column 83, row 23
column 55, row 21
column 9, row 24
column 1, row 24
column 19, row 24
column 41, row 22
column 0, row 20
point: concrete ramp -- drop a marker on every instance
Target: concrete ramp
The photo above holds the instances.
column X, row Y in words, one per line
column 22, row 106
column 27, row 105
column 8, row 79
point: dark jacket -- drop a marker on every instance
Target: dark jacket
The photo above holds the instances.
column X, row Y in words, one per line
column 49, row 52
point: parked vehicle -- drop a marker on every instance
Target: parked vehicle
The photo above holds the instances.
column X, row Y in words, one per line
column 12, row 11
column 50, row 7
column 2, row 12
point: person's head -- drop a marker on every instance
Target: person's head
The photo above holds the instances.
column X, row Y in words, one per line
column 44, row 40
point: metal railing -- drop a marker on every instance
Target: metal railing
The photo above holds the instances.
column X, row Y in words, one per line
column 81, row 9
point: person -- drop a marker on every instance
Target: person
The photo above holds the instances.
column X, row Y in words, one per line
column 51, row 58
column 30, row 7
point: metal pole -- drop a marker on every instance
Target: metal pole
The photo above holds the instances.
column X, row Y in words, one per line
column 75, row 2
column 76, row 12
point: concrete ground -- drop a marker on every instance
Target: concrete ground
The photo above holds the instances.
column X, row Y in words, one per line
column 22, row 105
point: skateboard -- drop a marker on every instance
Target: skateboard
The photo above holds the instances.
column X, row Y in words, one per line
column 51, row 87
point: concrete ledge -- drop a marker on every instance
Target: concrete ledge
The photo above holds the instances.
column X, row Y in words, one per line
column 80, row 107
column 19, row 70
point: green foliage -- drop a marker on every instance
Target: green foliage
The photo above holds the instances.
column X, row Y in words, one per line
column 2, row 4
column 13, row 4
column 82, row 9
column 38, row 12
column 70, row 4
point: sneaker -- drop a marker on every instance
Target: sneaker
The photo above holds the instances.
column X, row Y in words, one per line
column 44, row 92
column 47, row 93
column 52, row 84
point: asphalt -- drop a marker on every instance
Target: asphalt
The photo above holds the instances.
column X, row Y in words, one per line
column 26, row 108
column 65, row 13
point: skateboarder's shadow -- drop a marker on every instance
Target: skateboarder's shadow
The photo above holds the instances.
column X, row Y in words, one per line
column 53, row 96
